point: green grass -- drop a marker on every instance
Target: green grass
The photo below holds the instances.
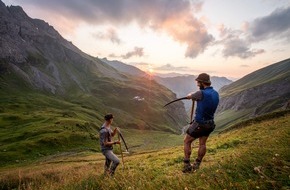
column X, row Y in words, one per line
column 230, row 117
column 34, row 126
column 253, row 156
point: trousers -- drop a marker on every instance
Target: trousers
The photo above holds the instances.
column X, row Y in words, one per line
column 112, row 161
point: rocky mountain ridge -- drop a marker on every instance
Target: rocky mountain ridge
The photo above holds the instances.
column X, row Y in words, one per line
column 263, row 91
column 35, row 57
column 37, row 53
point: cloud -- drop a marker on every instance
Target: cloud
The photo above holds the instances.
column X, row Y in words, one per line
column 110, row 34
column 183, row 27
column 275, row 25
column 238, row 43
column 170, row 16
column 181, row 69
column 239, row 48
column 170, row 67
column 138, row 51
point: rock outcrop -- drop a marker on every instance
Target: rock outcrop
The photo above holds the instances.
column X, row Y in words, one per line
column 263, row 91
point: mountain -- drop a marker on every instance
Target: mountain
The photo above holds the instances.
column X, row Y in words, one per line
column 35, row 57
column 54, row 96
column 181, row 85
column 125, row 68
column 263, row 91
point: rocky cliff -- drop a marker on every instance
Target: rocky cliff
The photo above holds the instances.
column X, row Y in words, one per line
column 39, row 55
column 262, row 91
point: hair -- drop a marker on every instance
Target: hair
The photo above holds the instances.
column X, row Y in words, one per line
column 108, row 116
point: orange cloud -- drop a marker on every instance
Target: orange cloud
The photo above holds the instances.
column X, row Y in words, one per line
column 171, row 16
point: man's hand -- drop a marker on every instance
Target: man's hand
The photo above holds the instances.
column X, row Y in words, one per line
column 115, row 131
column 189, row 96
column 117, row 142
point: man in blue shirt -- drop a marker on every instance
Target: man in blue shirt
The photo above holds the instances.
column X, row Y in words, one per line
column 207, row 101
column 106, row 134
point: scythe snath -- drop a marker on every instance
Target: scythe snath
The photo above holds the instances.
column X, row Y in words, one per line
column 120, row 136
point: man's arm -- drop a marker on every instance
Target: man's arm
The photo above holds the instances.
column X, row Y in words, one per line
column 195, row 96
column 114, row 132
column 111, row 143
column 107, row 143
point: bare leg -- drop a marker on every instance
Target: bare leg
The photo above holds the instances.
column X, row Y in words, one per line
column 202, row 147
column 187, row 146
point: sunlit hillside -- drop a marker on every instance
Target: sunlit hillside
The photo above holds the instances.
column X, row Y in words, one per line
column 251, row 156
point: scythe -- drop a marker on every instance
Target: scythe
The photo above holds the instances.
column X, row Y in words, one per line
column 192, row 107
column 175, row 101
column 120, row 136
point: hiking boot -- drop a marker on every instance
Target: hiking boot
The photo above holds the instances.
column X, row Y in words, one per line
column 195, row 165
column 187, row 168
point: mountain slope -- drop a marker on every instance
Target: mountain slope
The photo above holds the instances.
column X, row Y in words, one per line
column 125, row 68
column 53, row 96
column 260, row 92
column 35, row 58
column 255, row 156
column 180, row 85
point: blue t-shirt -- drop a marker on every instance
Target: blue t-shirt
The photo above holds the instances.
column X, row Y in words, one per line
column 207, row 106
column 207, row 102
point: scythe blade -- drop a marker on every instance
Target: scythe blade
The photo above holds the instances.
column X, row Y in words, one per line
column 120, row 134
column 175, row 101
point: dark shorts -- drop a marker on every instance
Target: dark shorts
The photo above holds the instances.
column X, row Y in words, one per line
column 196, row 130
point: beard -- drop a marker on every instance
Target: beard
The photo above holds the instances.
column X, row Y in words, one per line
column 201, row 87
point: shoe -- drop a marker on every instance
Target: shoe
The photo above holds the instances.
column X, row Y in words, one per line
column 195, row 165
column 187, row 168
column 111, row 173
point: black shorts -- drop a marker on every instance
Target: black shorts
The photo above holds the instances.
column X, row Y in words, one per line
column 196, row 130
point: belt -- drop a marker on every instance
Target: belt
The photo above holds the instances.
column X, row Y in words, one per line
column 206, row 122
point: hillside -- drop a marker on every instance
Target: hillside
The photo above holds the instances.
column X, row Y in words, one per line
column 53, row 96
column 181, row 85
column 263, row 91
column 34, row 58
column 125, row 68
column 253, row 156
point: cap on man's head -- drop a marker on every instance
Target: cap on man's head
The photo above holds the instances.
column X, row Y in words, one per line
column 108, row 116
column 203, row 77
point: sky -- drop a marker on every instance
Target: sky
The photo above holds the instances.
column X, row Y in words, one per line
column 230, row 38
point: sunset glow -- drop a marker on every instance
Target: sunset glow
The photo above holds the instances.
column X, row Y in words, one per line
column 222, row 38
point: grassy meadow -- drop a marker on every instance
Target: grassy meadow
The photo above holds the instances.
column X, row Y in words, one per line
column 254, row 155
column 35, row 125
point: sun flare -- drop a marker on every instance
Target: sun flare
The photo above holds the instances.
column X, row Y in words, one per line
column 150, row 70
